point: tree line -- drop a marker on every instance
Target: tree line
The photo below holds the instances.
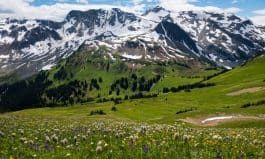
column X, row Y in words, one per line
column 187, row 87
column 24, row 94
column 134, row 83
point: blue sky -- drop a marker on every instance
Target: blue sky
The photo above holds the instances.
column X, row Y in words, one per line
column 57, row 9
column 246, row 6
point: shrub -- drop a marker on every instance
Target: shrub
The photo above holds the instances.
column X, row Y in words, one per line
column 141, row 95
column 103, row 100
column 117, row 101
column 61, row 74
column 100, row 80
column 165, row 90
column 188, row 87
column 186, row 110
column 114, row 109
column 97, row 112
column 258, row 103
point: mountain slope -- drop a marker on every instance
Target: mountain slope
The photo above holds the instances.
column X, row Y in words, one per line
column 27, row 46
column 95, row 75
column 225, row 39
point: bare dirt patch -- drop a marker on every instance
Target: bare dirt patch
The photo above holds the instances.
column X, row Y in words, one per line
column 216, row 120
column 247, row 90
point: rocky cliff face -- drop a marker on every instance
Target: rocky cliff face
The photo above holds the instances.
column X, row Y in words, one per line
column 27, row 46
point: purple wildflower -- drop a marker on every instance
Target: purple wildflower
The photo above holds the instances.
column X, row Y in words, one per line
column 145, row 148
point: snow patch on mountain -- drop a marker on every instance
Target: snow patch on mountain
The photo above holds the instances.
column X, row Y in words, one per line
column 159, row 34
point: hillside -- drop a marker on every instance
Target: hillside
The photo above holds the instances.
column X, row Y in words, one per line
column 178, row 118
column 171, row 101
column 29, row 46
column 91, row 75
column 132, row 79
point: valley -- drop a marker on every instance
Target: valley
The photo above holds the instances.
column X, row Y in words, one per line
column 107, row 83
column 155, row 92
column 91, row 105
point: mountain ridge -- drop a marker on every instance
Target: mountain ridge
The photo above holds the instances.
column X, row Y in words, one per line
column 28, row 46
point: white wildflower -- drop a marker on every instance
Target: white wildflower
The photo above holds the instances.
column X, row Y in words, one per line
column 99, row 149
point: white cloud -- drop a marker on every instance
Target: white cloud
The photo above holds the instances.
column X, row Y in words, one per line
column 137, row 1
column 259, row 18
column 58, row 11
column 181, row 5
column 234, row 1
column 82, row 1
column 262, row 11
column 232, row 10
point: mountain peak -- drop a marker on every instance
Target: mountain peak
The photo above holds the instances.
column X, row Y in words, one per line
column 225, row 39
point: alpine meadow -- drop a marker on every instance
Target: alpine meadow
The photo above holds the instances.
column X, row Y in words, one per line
column 141, row 79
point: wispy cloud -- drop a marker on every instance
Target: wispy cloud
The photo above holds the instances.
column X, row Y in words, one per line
column 234, row 1
column 58, row 11
column 259, row 18
column 180, row 5
column 262, row 11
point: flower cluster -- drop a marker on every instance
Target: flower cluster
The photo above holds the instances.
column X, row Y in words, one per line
column 22, row 137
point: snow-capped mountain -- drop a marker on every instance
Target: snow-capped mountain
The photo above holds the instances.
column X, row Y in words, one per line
column 224, row 39
column 27, row 46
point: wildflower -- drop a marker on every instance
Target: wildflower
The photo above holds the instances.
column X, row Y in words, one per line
column 157, row 143
column 238, row 136
column 48, row 147
column 187, row 137
column 64, row 141
column 47, row 139
column 75, row 138
column 100, row 143
column 217, row 137
column 176, row 136
column 77, row 143
column 163, row 143
column 84, row 137
column 145, row 148
column 69, row 146
column 118, row 135
column 99, row 149
column 31, row 142
column 218, row 154
column 54, row 138
column 23, row 139
column 2, row 134
column 13, row 134
column 256, row 142
column 21, row 131
column 88, row 132
column 241, row 156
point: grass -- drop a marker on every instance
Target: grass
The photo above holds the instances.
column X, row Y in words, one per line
column 145, row 128
column 207, row 101
column 243, row 124
column 37, row 137
column 163, row 109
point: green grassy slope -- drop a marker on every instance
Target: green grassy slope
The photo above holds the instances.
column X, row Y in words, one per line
column 203, row 101
column 212, row 100
column 90, row 76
